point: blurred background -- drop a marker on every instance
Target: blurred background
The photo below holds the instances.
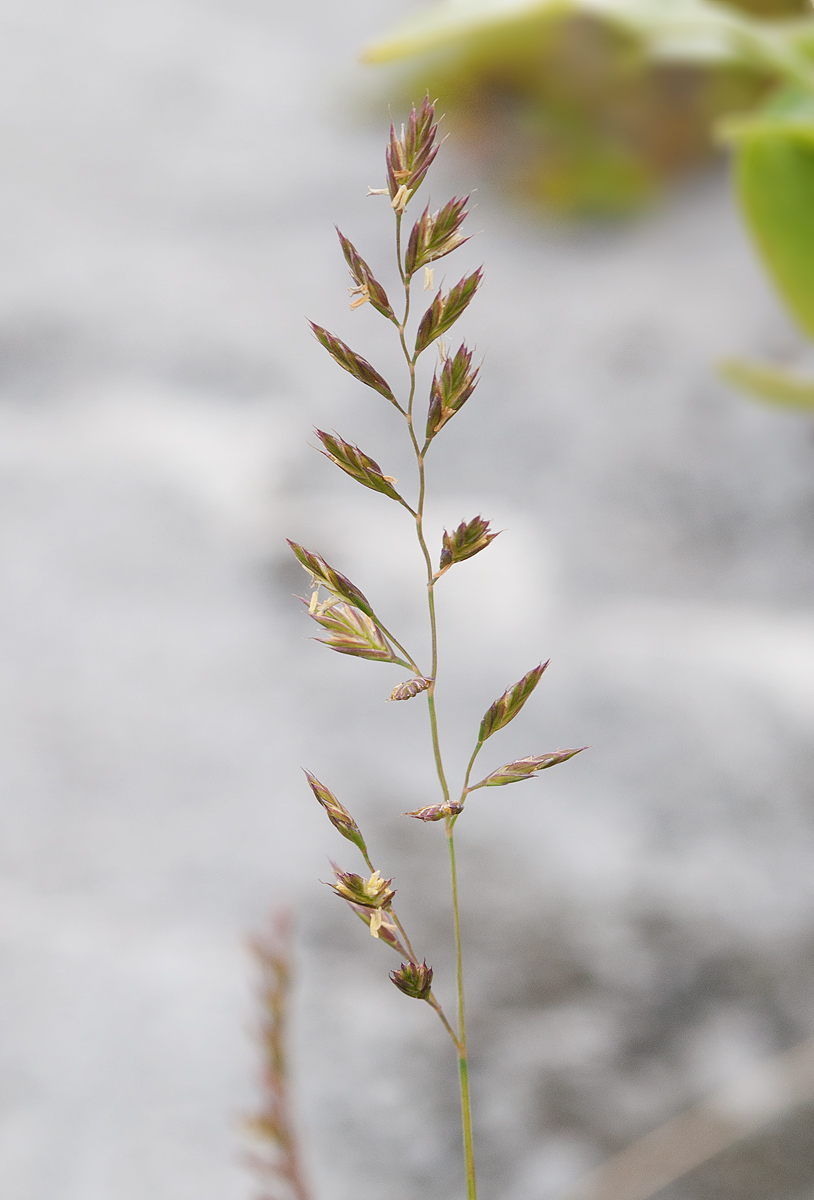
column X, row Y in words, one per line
column 639, row 923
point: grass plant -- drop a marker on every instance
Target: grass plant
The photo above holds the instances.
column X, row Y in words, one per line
column 347, row 619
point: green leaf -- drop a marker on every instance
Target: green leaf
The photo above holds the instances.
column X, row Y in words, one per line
column 770, row 384
column 359, row 466
column 789, row 112
column 508, row 706
column 774, row 177
column 525, row 768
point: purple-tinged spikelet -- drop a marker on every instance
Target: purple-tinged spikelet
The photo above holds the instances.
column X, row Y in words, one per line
column 466, row 541
column 508, row 706
column 410, row 688
column 525, row 768
column 413, row 979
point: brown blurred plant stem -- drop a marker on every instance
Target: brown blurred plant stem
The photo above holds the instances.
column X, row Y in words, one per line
column 273, row 1125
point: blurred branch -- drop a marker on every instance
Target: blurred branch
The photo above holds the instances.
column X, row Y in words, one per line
column 744, row 1106
column 277, row 1162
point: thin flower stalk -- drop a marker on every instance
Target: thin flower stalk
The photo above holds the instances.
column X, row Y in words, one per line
column 348, row 617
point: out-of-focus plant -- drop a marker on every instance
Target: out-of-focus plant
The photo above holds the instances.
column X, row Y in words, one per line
column 592, row 105
column 774, row 180
column 348, row 621
column 630, row 87
column 276, row 1159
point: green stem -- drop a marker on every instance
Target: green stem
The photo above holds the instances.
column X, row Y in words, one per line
column 469, row 767
column 410, row 663
column 419, row 522
column 431, row 1000
column 401, row 930
column 433, row 1003
column 463, row 1063
column 459, row 1039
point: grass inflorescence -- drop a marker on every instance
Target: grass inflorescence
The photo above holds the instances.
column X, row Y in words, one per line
column 342, row 610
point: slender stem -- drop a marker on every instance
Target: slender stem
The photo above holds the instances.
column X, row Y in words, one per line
column 433, row 1003
column 410, row 663
column 399, row 662
column 463, row 1063
column 469, row 767
column 431, row 1000
column 419, row 519
column 401, row 930
column 459, row 1039
column 436, row 748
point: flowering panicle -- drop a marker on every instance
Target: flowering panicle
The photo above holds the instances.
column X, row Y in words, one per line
column 342, row 611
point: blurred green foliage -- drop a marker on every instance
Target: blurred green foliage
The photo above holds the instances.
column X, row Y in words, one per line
column 586, row 108
column 774, row 181
column 591, row 106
